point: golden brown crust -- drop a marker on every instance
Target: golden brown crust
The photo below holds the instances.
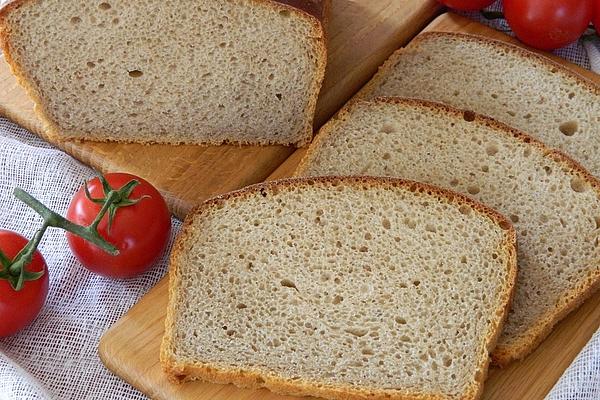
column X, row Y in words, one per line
column 315, row 11
column 258, row 379
column 502, row 355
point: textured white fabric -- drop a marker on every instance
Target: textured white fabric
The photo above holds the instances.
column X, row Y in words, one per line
column 582, row 379
column 56, row 358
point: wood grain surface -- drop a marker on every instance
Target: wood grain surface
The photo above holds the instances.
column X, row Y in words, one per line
column 137, row 360
column 361, row 34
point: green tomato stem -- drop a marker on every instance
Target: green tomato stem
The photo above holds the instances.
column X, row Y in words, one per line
column 56, row 221
column 4, row 261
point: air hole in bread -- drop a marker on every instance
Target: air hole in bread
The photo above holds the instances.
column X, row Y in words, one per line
column 568, row 128
column 337, row 299
column 388, row 128
column 430, row 228
column 578, row 185
column 400, row 320
column 386, row 156
column 473, row 189
column 571, row 95
column 288, row 283
column 469, row 116
column 136, row 73
column 367, row 351
column 491, row 149
column 409, row 223
column 454, row 182
column 104, row 6
column 359, row 332
column 527, row 116
column 514, row 218
column 75, row 20
column 511, row 113
column 284, row 13
column 465, row 210
column 386, row 223
column 597, row 221
column 90, row 64
column 279, row 96
column 485, row 168
column 115, row 21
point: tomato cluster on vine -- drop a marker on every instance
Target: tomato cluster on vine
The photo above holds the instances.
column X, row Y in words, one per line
column 117, row 226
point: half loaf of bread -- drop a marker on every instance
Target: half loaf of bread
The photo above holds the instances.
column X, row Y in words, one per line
column 344, row 288
column 509, row 83
column 553, row 203
column 183, row 71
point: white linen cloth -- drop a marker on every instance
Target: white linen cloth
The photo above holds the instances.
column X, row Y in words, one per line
column 56, row 357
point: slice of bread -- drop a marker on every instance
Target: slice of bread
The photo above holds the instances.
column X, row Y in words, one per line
column 182, row 71
column 518, row 87
column 343, row 288
column 553, row 203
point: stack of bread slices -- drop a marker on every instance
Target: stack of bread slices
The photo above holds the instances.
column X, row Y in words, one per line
column 357, row 279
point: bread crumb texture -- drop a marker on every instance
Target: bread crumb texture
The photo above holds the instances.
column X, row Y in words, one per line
column 200, row 71
column 553, row 204
column 369, row 286
column 515, row 86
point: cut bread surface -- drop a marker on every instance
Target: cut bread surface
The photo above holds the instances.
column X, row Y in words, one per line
column 553, row 203
column 340, row 288
column 174, row 71
column 509, row 83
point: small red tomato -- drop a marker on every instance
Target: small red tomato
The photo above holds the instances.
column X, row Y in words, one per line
column 19, row 308
column 467, row 5
column 140, row 231
column 548, row 24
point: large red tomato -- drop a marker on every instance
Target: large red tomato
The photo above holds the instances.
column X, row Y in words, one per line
column 548, row 24
column 467, row 5
column 19, row 308
column 139, row 231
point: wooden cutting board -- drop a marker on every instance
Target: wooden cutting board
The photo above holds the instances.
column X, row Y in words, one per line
column 131, row 347
column 360, row 36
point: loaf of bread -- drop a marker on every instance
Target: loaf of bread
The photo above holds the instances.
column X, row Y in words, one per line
column 553, row 203
column 518, row 87
column 184, row 71
column 343, row 288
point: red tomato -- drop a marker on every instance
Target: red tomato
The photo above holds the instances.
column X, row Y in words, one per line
column 19, row 309
column 596, row 18
column 140, row 232
column 548, row 24
column 467, row 5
